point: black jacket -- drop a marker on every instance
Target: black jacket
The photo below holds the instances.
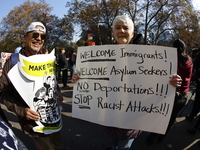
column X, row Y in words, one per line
column 62, row 61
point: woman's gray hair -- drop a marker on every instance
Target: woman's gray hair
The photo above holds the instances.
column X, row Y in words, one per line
column 124, row 19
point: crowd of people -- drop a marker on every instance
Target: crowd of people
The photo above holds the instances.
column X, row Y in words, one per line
column 66, row 65
column 121, row 139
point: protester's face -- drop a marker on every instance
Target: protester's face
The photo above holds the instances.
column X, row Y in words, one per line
column 122, row 32
column 34, row 41
column 63, row 51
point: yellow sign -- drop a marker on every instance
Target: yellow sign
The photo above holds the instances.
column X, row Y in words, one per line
column 39, row 69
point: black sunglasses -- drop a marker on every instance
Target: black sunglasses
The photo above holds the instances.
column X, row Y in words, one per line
column 36, row 35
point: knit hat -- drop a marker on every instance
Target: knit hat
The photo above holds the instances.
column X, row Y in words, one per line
column 180, row 45
column 33, row 25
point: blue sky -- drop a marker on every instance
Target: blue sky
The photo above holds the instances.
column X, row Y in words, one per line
column 59, row 8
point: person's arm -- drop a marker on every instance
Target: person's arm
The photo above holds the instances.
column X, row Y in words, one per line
column 186, row 74
column 31, row 114
column 12, row 99
column 75, row 77
column 60, row 97
column 59, row 94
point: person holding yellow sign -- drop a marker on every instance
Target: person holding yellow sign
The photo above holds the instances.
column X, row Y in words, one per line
column 34, row 41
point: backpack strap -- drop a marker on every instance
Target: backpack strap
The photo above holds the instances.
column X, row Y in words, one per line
column 14, row 59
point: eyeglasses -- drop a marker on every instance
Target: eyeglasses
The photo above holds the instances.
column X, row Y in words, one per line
column 36, row 35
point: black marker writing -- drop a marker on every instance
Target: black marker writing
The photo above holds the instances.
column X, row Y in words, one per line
column 170, row 68
column 98, row 53
column 82, row 99
column 152, row 71
column 166, row 92
column 165, row 55
column 124, row 88
column 84, row 107
column 107, row 79
column 142, row 57
column 92, row 71
column 152, row 108
column 82, row 86
column 97, row 60
column 163, row 88
column 106, row 105
column 122, row 72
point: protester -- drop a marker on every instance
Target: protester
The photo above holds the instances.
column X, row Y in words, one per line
column 69, row 62
column 34, row 40
column 196, row 105
column 89, row 43
column 185, row 67
column 73, row 61
column 63, row 63
column 2, row 114
column 123, row 31
column 58, row 69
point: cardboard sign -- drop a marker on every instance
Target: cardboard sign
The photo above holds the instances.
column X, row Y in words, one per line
column 125, row 86
column 35, row 80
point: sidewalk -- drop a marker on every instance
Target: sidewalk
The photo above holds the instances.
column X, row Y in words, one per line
column 82, row 135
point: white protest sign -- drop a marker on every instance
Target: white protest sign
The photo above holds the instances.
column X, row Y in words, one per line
column 35, row 80
column 125, row 86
